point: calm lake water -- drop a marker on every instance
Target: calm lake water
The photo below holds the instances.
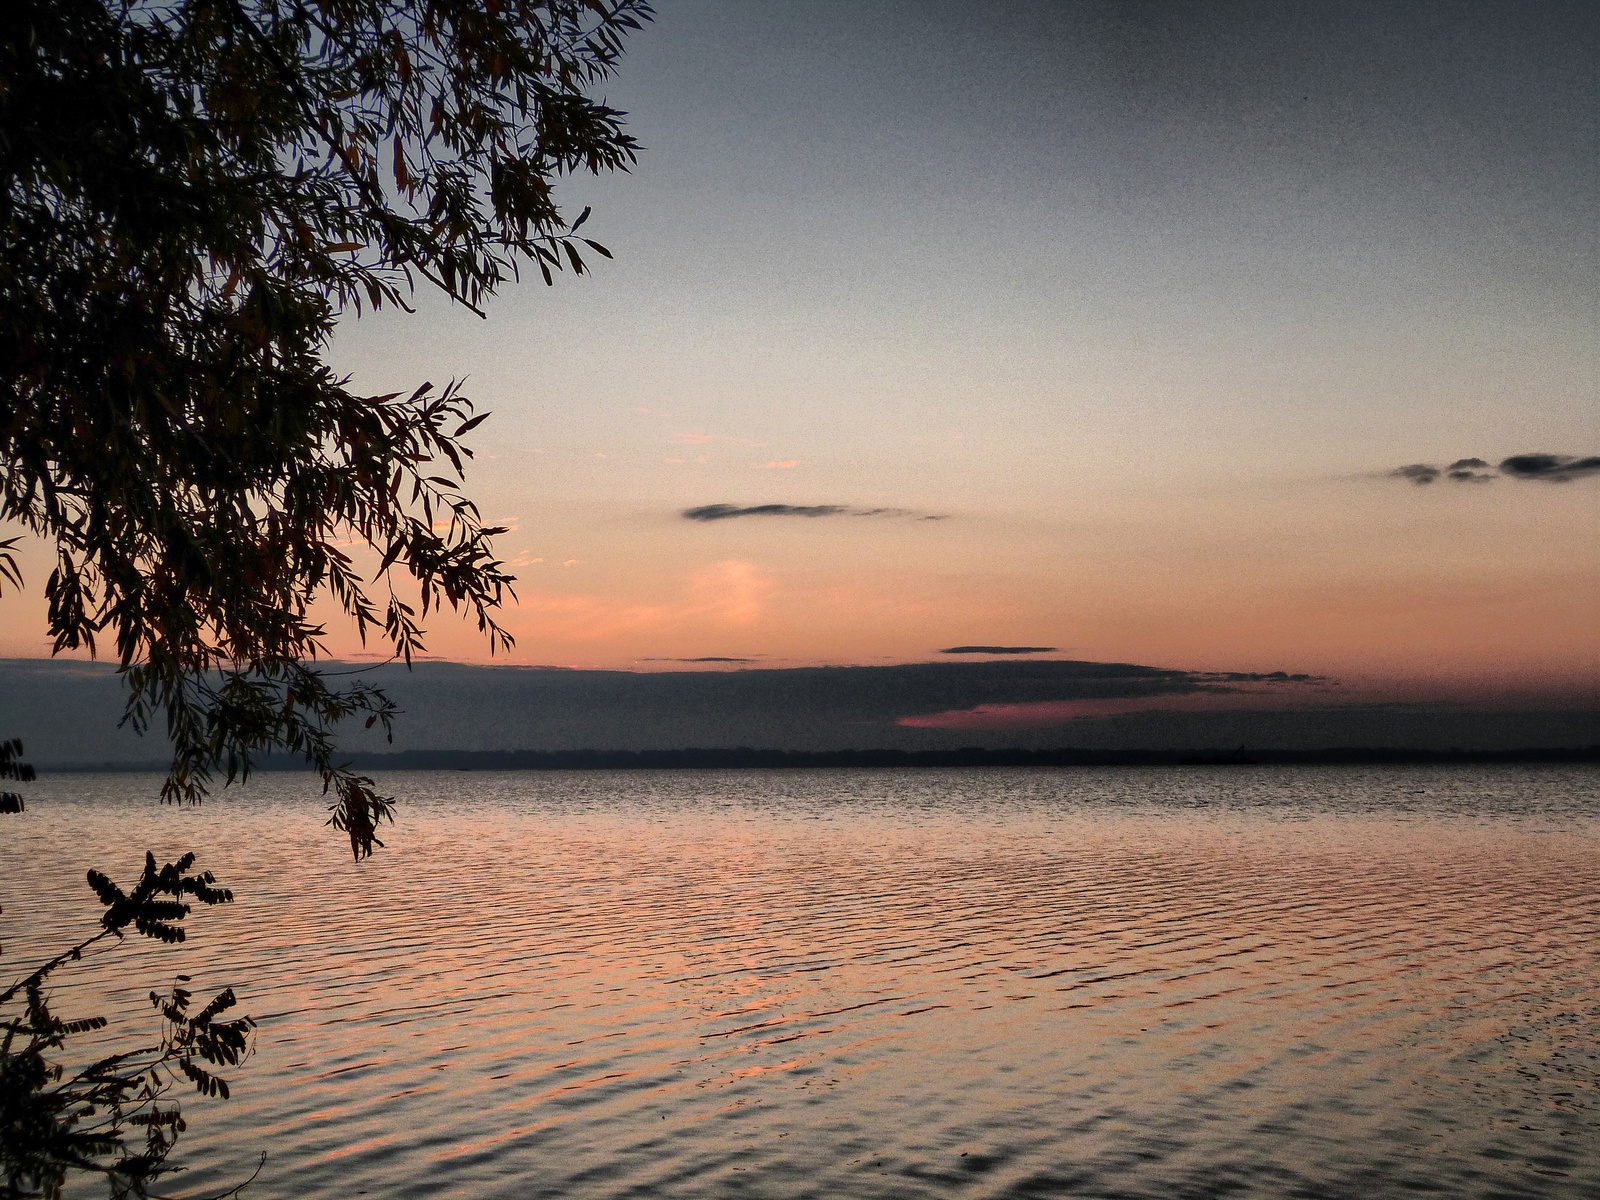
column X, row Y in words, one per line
column 1247, row 982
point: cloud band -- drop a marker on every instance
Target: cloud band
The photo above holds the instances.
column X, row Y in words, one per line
column 1550, row 468
column 725, row 512
column 998, row 650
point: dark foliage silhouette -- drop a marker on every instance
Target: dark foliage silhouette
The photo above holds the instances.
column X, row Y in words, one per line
column 12, row 767
column 56, row 1118
column 192, row 192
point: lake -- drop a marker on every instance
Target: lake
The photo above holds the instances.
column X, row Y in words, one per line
column 975, row 984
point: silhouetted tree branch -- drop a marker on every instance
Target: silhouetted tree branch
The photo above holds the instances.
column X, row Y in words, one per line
column 53, row 1121
column 12, row 767
column 194, row 191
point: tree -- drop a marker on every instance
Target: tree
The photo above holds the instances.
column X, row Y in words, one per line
column 194, row 192
column 12, row 767
column 53, row 1122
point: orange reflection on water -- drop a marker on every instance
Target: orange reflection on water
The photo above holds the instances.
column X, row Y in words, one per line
column 599, row 984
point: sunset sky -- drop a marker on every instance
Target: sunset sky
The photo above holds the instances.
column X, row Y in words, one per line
column 1144, row 302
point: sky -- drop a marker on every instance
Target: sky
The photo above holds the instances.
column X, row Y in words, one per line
column 1095, row 327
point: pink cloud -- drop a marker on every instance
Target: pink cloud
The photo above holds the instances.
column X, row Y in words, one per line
column 779, row 465
column 1045, row 713
column 734, row 590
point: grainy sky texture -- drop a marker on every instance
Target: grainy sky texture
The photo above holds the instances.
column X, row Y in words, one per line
column 1145, row 303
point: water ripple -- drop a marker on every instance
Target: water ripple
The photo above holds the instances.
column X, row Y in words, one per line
column 878, row 984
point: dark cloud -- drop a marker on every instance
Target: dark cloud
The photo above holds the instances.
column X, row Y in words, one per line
column 1551, row 468
column 1469, row 470
column 998, row 650
column 1418, row 473
column 723, row 512
column 1554, row 468
column 1460, row 471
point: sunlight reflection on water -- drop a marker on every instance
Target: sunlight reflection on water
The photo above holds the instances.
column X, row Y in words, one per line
column 1259, row 982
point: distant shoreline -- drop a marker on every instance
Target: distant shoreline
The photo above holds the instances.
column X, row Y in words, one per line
column 744, row 757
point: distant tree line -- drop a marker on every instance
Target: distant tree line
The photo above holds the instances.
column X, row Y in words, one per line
column 967, row 756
